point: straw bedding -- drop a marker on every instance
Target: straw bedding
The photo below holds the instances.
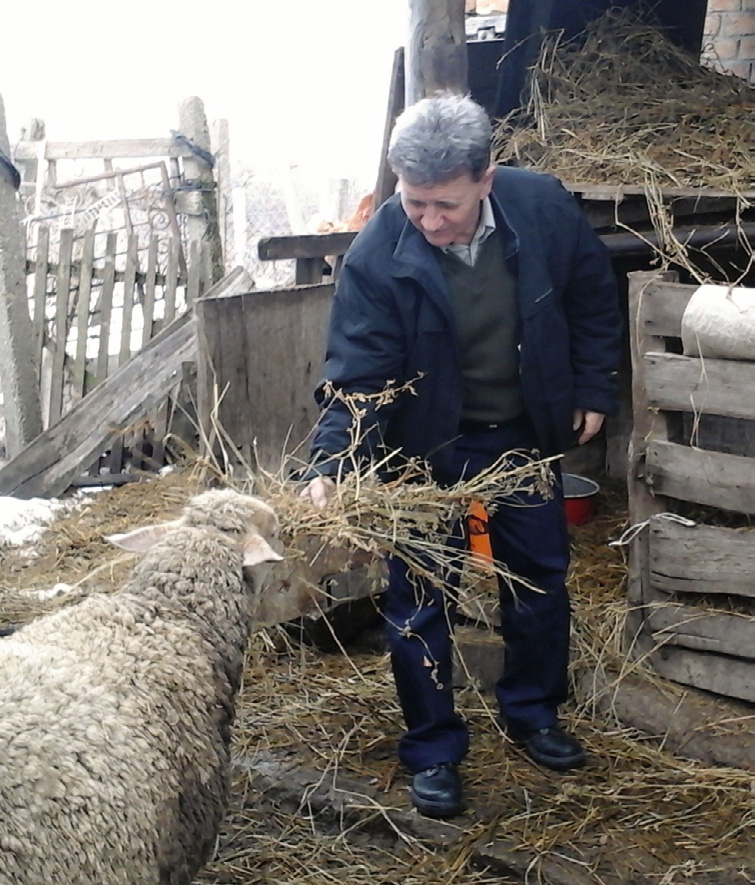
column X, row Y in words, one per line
column 635, row 814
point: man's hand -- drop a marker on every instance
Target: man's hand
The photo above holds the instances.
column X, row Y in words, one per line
column 319, row 491
column 589, row 423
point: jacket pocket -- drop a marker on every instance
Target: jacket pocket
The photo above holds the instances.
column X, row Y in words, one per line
column 542, row 302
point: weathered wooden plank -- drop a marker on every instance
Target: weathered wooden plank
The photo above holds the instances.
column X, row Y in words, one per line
column 265, row 376
column 715, row 387
column 40, row 292
column 691, row 627
column 60, row 334
column 122, row 148
column 646, row 425
column 124, row 353
column 118, row 444
column 701, row 559
column 229, row 361
column 106, row 309
column 148, row 303
column 171, row 280
column 723, row 675
column 210, row 349
column 82, row 315
column 616, row 192
column 305, row 246
column 725, row 481
column 194, row 273
column 663, row 306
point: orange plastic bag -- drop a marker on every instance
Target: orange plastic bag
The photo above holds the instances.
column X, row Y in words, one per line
column 477, row 529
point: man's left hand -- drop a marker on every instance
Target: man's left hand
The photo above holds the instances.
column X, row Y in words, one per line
column 588, row 423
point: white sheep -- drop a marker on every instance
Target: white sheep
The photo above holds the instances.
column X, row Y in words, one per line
column 115, row 714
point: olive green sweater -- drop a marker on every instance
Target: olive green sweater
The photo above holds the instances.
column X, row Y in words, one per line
column 483, row 299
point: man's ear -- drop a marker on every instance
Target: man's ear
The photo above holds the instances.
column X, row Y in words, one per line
column 257, row 550
column 143, row 539
column 487, row 180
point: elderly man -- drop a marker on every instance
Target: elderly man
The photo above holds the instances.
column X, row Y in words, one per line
column 488, row 286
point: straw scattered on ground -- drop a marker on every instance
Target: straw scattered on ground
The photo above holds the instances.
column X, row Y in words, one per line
column 635, row 811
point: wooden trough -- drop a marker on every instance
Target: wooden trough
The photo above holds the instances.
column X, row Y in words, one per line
column 692, row 581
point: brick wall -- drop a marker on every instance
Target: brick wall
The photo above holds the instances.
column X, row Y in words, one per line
column 729, row 38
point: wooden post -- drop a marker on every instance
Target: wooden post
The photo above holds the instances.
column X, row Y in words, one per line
column 648, row 424
column 201, row 205
column 386, row 179
column 221, row 143
column 32, row 176
column 18, row 367
column 436, row 56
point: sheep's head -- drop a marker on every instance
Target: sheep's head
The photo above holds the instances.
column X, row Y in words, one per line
column 250, row 520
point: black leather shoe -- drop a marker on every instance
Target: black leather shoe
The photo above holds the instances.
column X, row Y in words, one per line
column 551, row 747
column 436, row 791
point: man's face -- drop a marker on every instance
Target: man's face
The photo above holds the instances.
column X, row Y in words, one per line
column 447, row 213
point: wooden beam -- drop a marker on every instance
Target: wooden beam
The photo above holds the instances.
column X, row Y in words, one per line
column 305, row 245
column 123, row 148
column 436, row 56
column 646, row 425
column 687, row 384
column 701, row 559
column 617, row 192
column 386, row 179
column 725, row 481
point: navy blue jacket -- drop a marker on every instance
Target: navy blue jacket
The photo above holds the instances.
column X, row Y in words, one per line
column 392, row 322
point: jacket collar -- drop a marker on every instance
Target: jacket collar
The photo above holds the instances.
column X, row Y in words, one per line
column 414, row 258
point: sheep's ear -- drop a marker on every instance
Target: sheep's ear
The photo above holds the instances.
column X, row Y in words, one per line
column 143, row 539
column 257, row 550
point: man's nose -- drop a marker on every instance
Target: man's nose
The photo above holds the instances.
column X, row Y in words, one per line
column 432, row 221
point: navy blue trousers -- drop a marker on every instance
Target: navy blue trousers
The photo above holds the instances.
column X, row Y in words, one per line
column 530, row 536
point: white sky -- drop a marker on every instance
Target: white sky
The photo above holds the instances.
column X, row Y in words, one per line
column 300, row 81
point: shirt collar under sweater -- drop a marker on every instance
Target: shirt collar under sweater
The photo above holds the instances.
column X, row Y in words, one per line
column 468, row 253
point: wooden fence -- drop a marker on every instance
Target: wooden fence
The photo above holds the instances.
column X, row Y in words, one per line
column 692, row 581
column 91, row 316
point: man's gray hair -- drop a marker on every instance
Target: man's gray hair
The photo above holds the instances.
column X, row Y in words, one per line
column 439, row 138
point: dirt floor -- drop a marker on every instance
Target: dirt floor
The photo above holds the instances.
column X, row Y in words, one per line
column 319, row 798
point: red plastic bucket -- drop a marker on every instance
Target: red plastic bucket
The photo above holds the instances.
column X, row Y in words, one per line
column 580, row 498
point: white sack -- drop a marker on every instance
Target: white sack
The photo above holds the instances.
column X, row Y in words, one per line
column 719, row 322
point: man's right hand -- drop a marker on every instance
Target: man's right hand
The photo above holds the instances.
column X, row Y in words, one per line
column 319, row 491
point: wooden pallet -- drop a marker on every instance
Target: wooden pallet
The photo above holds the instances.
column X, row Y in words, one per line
column 675, row 567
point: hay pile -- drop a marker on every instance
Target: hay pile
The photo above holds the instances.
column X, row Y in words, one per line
column 636, row 813
column 626, row 106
